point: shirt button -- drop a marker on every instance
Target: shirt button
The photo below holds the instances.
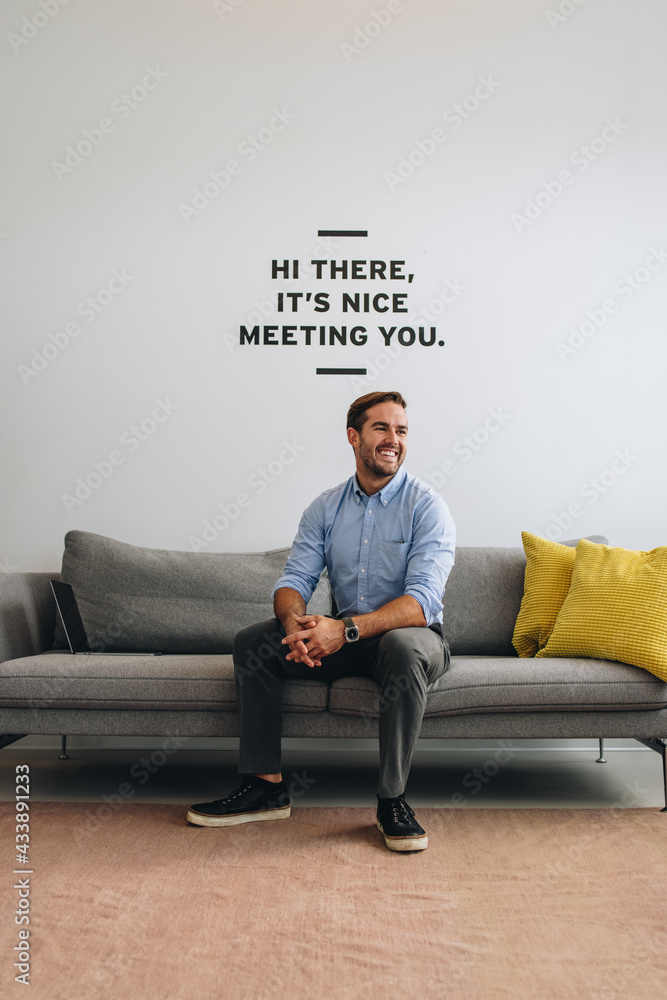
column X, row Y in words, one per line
column 361, row 598
column 363, row 570
column 369, row 511
column 365, row 541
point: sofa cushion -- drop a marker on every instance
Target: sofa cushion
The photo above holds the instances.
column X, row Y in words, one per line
column 482, row 600
column 616, row 608
column 474, row 684
column 198, row 683
column 142, row 599
column 548, row 576
column 483, row 597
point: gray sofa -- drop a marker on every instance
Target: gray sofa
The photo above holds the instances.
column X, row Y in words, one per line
column 188, row 605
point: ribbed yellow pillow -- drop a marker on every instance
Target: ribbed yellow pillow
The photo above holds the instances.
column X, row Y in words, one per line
column 616, row 608
column 546, row 583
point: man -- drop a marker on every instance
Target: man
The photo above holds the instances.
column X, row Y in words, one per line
column 387, row 541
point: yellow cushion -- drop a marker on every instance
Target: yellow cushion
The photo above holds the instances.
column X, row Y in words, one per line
column 546, row 583
column 616, row 608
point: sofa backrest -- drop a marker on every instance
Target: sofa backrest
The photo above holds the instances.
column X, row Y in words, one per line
column 483, row 597
column 482, row 600
column 144, row 599
column 194, row 602
column 27, row 614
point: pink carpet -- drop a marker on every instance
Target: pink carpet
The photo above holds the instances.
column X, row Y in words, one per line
column 504, row 905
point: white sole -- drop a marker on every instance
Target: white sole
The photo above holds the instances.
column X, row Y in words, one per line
column 404, row 843
column 235, row 819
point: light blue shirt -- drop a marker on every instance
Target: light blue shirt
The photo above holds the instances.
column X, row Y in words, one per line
column 398, row 541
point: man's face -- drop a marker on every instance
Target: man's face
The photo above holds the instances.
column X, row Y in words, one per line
column 381, row 445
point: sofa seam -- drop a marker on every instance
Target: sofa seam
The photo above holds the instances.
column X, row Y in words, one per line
column 499, row 709
column 164, row 701
column 306, row 685
column 502, row 684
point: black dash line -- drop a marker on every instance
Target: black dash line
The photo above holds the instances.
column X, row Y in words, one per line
column 340, row 371
column 342, row 232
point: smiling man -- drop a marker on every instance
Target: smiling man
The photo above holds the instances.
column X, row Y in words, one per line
column 387, row 541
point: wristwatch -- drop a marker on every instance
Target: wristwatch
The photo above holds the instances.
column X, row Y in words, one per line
column 351, row 630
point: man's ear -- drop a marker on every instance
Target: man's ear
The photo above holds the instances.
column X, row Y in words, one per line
column 353, row 436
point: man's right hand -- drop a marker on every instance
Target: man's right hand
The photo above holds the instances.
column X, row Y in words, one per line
column 298, row 650
column 289, row 606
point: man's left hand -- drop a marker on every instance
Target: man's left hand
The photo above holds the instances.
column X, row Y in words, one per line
column 323, row 636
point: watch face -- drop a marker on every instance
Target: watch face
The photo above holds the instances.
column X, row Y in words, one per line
column 352, row 633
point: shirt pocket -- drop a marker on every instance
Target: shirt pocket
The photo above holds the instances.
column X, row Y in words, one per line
column 393, row 560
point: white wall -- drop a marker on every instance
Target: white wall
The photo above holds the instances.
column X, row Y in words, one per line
column 355, row 106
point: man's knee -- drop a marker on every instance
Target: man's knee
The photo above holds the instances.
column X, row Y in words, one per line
column 256, row 646
column 410, row 645
column 417, row 653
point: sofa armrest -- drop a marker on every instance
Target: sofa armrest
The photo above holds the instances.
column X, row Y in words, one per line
column 27, row 614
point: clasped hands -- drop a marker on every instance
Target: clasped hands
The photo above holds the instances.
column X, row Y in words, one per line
column 322, row 637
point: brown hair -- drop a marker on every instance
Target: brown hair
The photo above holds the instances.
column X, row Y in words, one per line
column 356, row 415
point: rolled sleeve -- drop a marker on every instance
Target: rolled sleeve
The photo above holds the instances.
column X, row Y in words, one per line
column 431, row 556
column 306, row 560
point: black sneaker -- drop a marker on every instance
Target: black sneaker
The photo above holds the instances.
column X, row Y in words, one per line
column 397, row 822
column 255, row 800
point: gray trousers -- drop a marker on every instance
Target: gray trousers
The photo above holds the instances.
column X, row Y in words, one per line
column 403, row 661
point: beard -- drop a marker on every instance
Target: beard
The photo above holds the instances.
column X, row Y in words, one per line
column 377, row 465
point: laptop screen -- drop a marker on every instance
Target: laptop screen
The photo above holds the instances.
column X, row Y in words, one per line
column 70, row 617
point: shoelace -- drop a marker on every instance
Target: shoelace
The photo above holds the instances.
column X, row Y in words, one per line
column 401, row 811
column 238, row 792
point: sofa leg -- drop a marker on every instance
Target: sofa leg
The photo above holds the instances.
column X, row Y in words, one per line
column 660, row 746
column 601, row 759
column 8, row 738
column 63, row 749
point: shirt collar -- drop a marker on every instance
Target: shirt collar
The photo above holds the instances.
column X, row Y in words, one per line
column 387, row 492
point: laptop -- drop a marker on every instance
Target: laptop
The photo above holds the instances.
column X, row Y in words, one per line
column 73, row 625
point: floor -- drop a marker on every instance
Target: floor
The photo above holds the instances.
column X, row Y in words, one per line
column 445, row 774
